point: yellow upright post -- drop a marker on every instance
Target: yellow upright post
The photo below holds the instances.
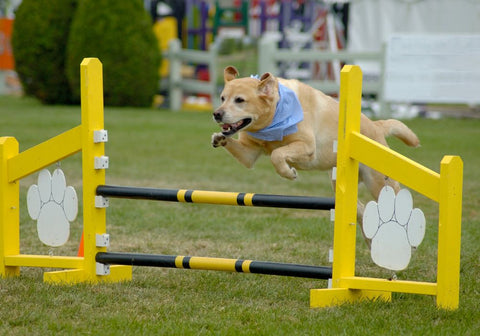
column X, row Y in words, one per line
column 9, row 209
column 346, row 191
column 449, row 232
column 94, row 219
column 346, row 198
column 94, row 164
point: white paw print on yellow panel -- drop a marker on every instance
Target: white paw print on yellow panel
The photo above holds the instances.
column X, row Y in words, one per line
column 53, row 205
column 394, row 228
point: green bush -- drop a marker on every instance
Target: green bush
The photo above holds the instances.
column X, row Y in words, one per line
column 120, row 34
column 39, row 40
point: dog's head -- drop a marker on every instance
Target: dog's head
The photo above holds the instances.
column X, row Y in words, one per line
column 247, row 103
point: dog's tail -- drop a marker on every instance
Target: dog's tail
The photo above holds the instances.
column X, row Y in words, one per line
column 399, row 130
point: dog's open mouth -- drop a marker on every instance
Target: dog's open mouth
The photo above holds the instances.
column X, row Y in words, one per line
column 231, row 129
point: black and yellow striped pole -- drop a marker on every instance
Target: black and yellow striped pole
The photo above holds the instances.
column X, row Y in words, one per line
column 218, row 197
column 215, row 264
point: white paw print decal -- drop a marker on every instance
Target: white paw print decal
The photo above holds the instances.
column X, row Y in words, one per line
column 53, row 205
column 394, row 228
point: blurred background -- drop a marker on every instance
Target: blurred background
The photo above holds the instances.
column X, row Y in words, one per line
column 419, row 57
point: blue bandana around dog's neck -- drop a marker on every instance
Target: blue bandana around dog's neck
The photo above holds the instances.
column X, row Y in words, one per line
column 288, row 114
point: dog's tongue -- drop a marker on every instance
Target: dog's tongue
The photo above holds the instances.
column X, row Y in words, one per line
column 226, row 127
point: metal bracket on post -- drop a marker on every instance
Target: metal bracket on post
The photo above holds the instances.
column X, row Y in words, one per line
column 101, row 202
column 101, row 162
column 102, row 240
column 102, row 269
column 100, row 136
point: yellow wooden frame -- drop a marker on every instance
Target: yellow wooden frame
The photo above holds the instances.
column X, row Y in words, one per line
column 444, row 188
column 15, row 166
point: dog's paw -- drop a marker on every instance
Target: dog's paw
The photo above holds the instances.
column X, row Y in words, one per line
column 394, row 228
column 218, row 140
column 288, row 173
column 294, row 174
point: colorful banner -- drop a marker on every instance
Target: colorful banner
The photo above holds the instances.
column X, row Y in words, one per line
column 6, row 54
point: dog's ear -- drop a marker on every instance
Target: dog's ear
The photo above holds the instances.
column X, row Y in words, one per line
column 230, row 73
column 267, row 84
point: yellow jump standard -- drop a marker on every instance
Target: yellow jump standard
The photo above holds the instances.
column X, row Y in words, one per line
column 444, row 188
column 14, row 166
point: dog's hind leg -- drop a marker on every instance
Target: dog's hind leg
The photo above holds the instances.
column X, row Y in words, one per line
column 360, row 211
column 375, row 181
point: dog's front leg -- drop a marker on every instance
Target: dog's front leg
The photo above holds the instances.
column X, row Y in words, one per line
column 243, row 151
column 285, row 158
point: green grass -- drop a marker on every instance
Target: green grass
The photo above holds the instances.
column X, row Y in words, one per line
column 172, row 150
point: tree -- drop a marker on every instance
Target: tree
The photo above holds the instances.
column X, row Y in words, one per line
column 39, row 40
column 120, row 34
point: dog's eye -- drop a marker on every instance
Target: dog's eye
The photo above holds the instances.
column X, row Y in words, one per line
column 222, row 98
column 239, row 100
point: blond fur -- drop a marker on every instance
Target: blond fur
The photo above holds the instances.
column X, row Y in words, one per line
column 310, row 148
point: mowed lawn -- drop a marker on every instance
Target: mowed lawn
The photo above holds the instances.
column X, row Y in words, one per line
column 159, row 148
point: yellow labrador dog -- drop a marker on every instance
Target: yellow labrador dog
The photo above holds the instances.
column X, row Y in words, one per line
column 293, row 123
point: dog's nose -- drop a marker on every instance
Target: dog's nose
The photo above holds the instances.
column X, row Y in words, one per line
column 218, row 115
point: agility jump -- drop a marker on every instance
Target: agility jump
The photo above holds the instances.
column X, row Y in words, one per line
column 353, row 148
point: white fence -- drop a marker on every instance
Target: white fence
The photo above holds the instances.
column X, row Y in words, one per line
column 269, row 57
column 177, row 85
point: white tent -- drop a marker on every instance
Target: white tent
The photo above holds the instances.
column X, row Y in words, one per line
column 372, row 22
